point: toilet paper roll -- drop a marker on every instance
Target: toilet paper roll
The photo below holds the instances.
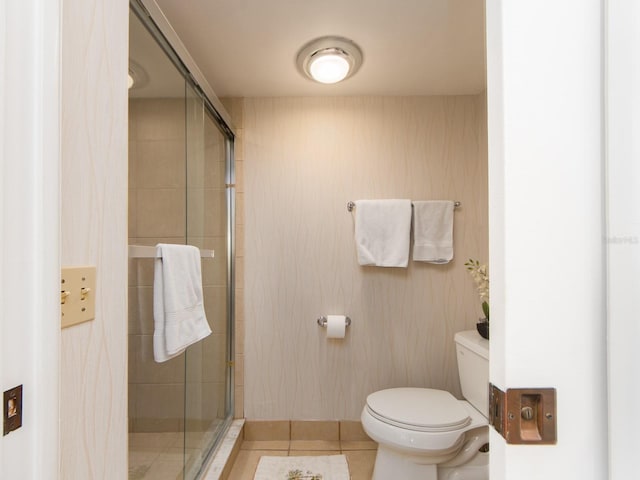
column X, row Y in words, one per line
column 336, row 326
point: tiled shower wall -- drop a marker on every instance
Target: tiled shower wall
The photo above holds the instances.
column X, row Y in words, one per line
column 157, row 213
column 304, row 159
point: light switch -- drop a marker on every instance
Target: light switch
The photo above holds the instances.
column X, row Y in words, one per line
column 77, row 295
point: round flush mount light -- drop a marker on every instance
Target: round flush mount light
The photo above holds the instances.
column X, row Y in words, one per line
column 329, row 59
column 137, row 76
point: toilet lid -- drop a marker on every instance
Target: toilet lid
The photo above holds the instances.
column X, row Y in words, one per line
column 421, row 409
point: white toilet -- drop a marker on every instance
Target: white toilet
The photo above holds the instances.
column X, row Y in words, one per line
column 426, row 434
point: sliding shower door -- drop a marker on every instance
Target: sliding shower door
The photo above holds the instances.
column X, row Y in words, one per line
column 180, row 192
column 208, row 370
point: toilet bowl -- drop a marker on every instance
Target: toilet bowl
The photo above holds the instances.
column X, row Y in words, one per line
column 421, row 432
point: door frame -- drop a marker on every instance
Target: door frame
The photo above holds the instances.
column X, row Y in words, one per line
column 622, row 97
column 30, row 222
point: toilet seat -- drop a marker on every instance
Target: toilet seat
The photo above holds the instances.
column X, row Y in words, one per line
column 418, row 409
column 395, row 419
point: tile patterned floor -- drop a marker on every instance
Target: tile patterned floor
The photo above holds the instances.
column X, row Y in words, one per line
column 360, row 455
column 156, row 456
column 160, row 456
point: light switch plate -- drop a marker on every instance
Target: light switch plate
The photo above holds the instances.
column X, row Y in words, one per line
column 77, row 295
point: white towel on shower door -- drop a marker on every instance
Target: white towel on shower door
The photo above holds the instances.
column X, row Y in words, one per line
column 383, row 229
column 178, row 308
column 433, row 231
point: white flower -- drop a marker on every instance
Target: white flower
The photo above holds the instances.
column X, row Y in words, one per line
column 480, row 275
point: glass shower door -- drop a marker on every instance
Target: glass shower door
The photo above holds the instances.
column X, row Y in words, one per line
column 157, row 196
column 207, row 367
column 181, row 168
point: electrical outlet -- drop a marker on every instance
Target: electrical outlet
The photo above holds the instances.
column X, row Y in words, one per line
column 12, row 409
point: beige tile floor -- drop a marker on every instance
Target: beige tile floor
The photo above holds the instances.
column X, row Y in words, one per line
column 156, row 456
column 360, row 455
column 300, row 438
column 159, row 456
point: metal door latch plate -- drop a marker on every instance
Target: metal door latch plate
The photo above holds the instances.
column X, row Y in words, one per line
column 524, row 415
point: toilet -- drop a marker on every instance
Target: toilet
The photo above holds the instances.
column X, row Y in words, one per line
column 428, row 434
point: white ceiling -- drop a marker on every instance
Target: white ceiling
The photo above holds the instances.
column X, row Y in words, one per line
column 411, row 47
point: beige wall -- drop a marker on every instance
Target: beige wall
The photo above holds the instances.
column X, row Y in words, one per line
column 304, row 158
column 93, row 401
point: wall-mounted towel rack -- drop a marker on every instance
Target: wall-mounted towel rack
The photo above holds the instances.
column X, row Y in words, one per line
column 145, row 251
column 351, row 205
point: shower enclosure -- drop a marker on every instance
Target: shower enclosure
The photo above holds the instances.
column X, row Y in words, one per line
column 180, row 191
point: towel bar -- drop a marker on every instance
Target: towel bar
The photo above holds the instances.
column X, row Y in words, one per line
column 351, row 205
column 146, row 251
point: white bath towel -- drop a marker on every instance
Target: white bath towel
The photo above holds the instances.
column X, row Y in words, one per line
column 383, row 229
column 433, row 231
column 178, row 308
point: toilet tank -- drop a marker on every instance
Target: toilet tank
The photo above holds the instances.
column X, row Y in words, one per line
column 472, row 352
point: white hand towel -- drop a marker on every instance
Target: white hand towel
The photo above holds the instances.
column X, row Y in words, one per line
column 433, row 231
column 178, row 308
column 383, row 230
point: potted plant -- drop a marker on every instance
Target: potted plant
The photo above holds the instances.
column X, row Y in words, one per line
column 479, row 274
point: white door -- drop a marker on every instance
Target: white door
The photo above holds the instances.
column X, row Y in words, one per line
column 622, row 100
column 29, row 238
column 547, row 225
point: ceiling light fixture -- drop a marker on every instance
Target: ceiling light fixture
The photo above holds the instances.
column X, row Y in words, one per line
column 137, row 76
column 329, row 59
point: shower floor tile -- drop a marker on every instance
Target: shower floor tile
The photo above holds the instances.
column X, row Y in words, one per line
column 156, row 456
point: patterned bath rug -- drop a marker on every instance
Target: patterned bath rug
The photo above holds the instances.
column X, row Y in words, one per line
column 330, row 467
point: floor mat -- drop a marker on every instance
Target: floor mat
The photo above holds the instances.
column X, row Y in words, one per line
column 329, row 467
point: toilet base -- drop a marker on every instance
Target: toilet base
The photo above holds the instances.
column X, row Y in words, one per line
column 476, row 469
column 394, row 464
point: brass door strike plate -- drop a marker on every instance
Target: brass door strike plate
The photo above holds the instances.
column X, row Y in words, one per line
column 524, row 415
column 12, row 410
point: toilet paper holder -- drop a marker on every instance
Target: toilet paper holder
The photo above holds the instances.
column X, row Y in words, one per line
column 322, row 321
